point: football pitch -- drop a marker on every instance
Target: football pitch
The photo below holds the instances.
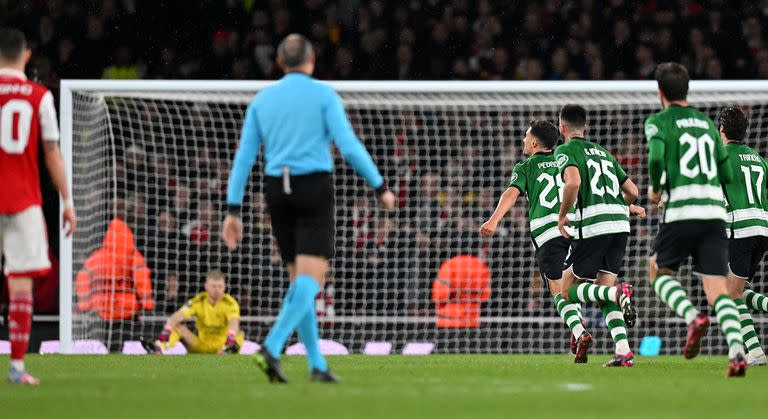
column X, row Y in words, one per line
column 435, row 386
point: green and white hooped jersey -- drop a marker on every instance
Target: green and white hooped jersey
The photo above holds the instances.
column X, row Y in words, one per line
column 537, row 178
column 600, row 206
column 693, row 150
column 746, row 193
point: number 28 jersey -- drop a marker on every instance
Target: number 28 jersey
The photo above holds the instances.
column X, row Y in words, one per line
column 27, row 114
column 600, row 206
column 692, row 152
column 537, row 178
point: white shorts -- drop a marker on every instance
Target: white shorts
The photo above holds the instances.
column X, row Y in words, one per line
column 24, row 243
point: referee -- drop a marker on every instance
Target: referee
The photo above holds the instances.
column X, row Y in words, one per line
column 296, row 119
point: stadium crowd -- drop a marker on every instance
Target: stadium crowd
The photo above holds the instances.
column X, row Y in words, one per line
column 406, row 40
column 175, row 211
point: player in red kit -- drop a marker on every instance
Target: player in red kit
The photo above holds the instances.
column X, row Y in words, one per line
column 27, row 120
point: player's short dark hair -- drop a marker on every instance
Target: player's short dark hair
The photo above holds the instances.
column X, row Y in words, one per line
column 12, row 44
column 573, row 115
column 544, row 131
column 673, row 80
column 294, row 50
column 734, row 122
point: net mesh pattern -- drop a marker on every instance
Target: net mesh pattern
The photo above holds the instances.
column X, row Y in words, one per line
column 160, row 162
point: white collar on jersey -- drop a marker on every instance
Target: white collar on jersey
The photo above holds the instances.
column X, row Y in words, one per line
column 13, row 73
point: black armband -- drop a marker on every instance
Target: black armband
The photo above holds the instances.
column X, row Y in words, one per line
column 234, row 209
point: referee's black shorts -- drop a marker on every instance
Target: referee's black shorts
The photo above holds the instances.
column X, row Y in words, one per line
column 302, row 216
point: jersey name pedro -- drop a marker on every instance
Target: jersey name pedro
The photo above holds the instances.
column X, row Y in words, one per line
column 537, row 178
column 745, row 194
column 600, row 206
column 692, row 152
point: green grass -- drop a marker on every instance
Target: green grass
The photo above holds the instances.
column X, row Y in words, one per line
column 440, row 386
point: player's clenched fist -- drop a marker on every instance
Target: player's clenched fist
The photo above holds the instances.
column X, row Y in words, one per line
column 637, row 211
column 488, row 228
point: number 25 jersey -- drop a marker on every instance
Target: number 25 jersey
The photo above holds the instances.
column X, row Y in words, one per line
column 600, row 206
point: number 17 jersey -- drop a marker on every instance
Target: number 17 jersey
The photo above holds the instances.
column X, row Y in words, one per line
column 27, row 114
column 692, row 152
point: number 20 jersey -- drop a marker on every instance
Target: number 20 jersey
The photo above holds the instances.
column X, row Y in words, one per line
column 27, row 114
column 693, row 150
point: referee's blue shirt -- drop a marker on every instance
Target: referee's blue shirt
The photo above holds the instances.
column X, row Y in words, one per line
column 296, row 119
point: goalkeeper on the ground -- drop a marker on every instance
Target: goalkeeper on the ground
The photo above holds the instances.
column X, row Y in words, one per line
column 217, row 320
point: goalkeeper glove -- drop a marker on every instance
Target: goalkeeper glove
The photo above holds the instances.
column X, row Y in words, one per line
column 231, row 346
column 165, row 335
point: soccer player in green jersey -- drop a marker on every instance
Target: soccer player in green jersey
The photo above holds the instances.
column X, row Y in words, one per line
column 683, row 143
column 747, row 223
column 603, row 195
column 537, row 178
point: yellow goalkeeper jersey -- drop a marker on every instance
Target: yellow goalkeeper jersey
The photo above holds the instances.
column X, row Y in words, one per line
column 211, row 320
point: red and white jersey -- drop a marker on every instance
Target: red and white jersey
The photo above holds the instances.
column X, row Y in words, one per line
column 27, row 114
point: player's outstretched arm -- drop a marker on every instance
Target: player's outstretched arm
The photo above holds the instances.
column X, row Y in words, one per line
column 572, row 180
column 506, row 202
column 55, row 164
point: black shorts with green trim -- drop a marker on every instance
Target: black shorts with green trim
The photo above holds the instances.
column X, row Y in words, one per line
column 702, row 240
column 597, row 254
column 745, row 255
column 551, row 257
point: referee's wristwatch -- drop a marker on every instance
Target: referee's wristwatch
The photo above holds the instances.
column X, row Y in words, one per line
column 234, row 209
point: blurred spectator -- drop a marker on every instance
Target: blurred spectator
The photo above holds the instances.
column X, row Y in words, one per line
column 115, row 284
column 372, row 39
column 124, row 66
column 200, row 230
column 461, row 286
column 115, row 280
column 162, row 255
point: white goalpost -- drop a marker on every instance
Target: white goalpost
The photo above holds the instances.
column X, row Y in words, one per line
column 156, row 153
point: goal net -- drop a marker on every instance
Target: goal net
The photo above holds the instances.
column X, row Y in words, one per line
column 157, row 155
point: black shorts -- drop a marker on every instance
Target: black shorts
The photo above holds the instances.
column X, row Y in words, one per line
column 303, row 220
column 551, row 257
column 704, row 240
column 597, row 254
column 745, row 255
